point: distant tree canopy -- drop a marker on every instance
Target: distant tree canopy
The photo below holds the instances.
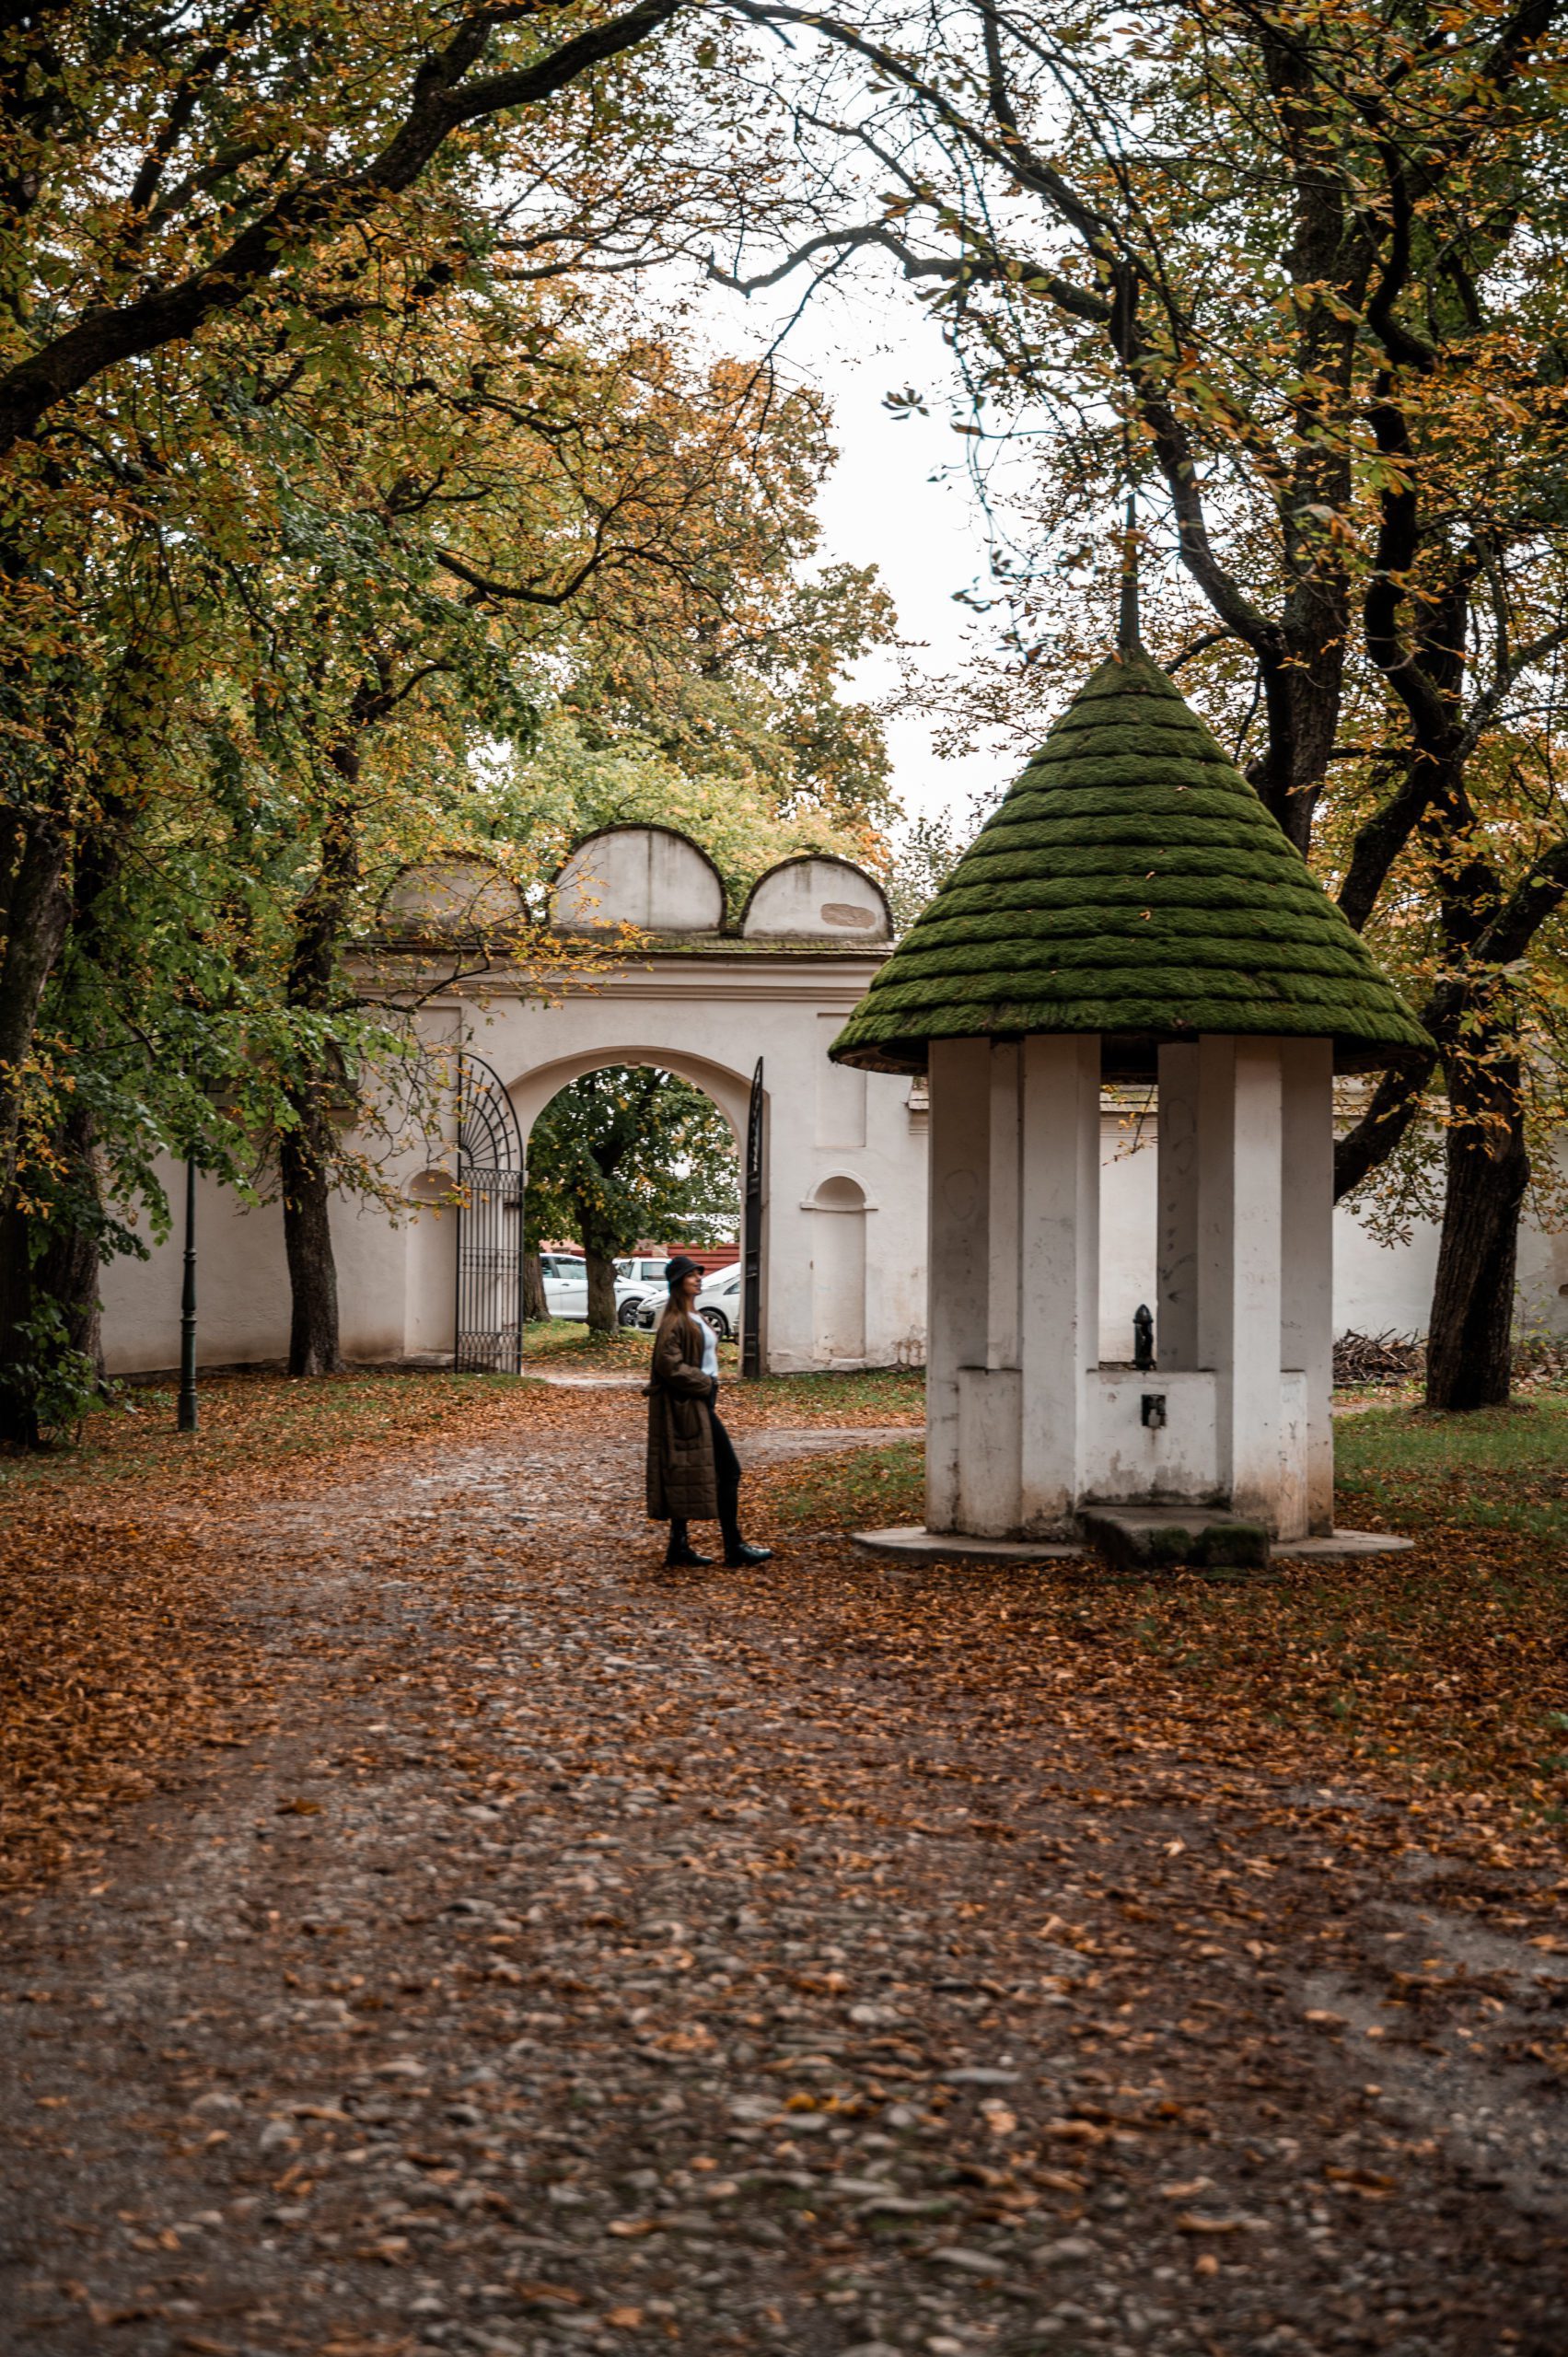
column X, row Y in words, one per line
column 746, row 743
column 626, row 1152
column 924, row 853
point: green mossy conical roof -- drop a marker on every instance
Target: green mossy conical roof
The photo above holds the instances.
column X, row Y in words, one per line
column 1133, row 884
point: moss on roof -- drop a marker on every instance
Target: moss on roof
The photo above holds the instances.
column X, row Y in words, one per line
column 1131, row 883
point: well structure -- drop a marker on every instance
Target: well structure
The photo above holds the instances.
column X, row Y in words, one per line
column 1131, row 913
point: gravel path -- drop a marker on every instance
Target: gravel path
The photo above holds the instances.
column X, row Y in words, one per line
column 574, row 1957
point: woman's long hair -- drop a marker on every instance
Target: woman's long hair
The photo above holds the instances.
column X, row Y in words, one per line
column 674, row 1307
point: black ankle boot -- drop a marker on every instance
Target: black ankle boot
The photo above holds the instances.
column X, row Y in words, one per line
column 685, row 1557
column 738, row 1556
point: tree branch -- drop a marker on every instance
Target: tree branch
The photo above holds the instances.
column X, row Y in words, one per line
column 1395, row 1101
column 962, row 268
column 440, row 102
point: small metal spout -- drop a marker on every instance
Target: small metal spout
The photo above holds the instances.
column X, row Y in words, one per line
column 1143, row 1338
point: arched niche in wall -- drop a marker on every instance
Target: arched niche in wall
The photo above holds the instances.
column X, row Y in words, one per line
column 647, row 877
column 449, row 899
column 817, row 897
column 837, row 1267
column 436, row 1184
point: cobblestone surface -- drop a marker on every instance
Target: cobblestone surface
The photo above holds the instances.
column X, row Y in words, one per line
column 575, row 1957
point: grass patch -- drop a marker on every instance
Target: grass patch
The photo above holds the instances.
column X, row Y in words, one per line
column 1501, row 1470
column 875, row 1395
column 865, row 1487
column 878, row 1395
column 251, row 1426
column 569, row 1346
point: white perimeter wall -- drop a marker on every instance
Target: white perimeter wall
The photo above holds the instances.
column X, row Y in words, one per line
column 846, row 1196
column 845, row 1259
column 1377, row 1287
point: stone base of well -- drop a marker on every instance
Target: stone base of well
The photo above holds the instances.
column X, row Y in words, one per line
column 1213, row 1539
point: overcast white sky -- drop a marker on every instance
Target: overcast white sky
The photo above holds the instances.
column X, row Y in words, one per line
column 887, row 503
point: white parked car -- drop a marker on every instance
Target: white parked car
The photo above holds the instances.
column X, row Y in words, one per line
column 718, row 1304
column 565, row 1284
column 565, row 1278
column 636, row 1282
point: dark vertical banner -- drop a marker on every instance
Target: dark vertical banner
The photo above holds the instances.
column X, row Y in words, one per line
column 752, row 1233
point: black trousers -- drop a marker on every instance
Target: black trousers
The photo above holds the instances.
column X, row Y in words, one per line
column 727, row 1474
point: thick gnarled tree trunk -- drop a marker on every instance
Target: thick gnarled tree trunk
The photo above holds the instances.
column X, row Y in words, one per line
column 305, row 1161
column 35, row 907
column 19, row 1418
column 1469, row 1346
column 306, row 1156
column 35, row 904
column 67, row 1270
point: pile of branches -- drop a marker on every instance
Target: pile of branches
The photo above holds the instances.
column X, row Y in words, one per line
column 1377, row 1358
column 1540, row 1358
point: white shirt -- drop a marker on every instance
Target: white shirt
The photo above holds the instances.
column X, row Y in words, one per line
column 710, row 1347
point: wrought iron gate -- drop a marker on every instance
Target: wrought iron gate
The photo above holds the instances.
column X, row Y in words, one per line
column 489, row 1225
column 751, row 1234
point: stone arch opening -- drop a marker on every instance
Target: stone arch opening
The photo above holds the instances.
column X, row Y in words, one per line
column 727, row 1093
column 532, row 1090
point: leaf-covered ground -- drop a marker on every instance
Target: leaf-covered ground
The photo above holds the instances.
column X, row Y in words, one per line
column 1446, row 1669
column 547, row 1952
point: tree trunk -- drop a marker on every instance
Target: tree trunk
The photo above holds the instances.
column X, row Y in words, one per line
column 305, row 1151
column 19, row 1418
column 313, row 1346
column 38, row 910
column 601, row 1293
column 66, row 1271
column 51, row 1263
column 1469, row 1346
column 535, row 1305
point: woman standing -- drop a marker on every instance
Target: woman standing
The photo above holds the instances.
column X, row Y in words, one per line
column 693, row 1472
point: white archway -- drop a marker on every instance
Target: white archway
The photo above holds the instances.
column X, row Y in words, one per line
column 532, row 1090
column 700, row 989
column 726, row 1091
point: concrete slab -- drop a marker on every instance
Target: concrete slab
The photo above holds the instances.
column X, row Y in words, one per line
column 1160, row 1537
column 1344, row 1542
column 936, row 1546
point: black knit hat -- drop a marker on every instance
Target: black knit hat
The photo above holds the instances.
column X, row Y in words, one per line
column 680, row 1267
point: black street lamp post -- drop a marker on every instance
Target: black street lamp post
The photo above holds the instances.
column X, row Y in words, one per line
column 187, row 1414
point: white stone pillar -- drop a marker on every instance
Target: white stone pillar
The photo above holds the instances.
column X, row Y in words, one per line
column 1240, row 1135
column 1002, row 1290
column 1255, row 1421
column 989, row 1387
column 958, row 1270
column 1307, row 1253
column 1061, row 1271
column 1175, row 1301
column 1216, row 1156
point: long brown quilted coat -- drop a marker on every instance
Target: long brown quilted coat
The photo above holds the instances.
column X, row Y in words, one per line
column 681, row 1484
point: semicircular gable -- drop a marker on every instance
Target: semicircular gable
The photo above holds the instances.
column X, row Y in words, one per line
column 818, row 897
column 449, row 898
column 648, row 876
